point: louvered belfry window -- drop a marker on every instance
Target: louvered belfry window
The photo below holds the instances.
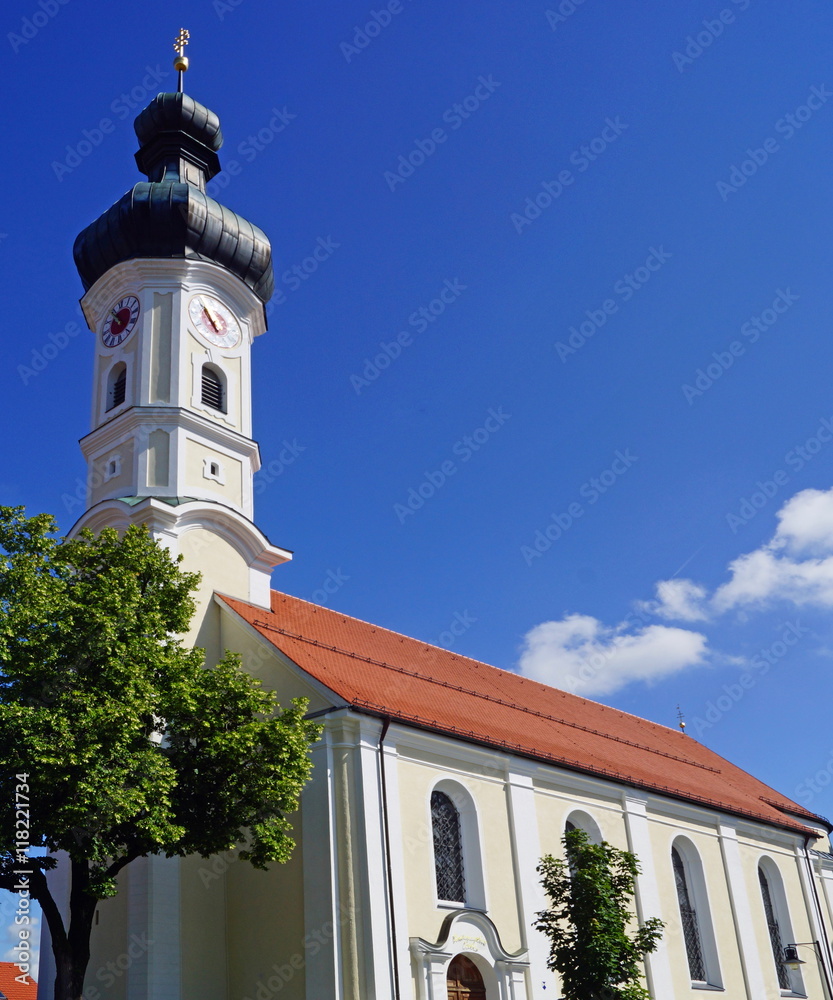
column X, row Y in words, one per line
column 448, row 849
column 774, row 933
column 118, row 386
column 691, row 930
column 213, row 390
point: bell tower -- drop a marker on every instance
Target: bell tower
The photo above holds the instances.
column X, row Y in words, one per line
column 176, row 287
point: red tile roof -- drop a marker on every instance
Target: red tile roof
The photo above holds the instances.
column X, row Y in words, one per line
column 385, row 673
column 10, row 990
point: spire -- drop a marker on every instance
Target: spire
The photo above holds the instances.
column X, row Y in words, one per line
column 170, row 214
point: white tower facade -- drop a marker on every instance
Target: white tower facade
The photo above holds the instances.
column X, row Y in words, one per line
column 176, row 289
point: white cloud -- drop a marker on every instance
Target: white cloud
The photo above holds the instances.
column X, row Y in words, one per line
column 579, row 653
column 795, row 565
column 678, row 600
column 805, row 524
column 582, row 655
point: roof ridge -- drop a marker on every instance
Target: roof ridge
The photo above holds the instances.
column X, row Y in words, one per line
column 486, row 697
column 479, row 663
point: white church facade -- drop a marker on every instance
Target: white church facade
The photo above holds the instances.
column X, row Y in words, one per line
column 438, row 782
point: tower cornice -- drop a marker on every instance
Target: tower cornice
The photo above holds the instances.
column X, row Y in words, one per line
column 165, row 273
column 128, row 424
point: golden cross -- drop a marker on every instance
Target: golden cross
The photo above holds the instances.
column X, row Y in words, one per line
column 181, row 41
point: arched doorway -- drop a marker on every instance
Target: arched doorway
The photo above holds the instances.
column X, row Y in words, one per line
column 464, row 980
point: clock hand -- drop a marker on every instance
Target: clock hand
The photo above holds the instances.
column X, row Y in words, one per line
column 213, row 317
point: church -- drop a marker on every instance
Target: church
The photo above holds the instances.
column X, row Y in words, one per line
column 438, row 782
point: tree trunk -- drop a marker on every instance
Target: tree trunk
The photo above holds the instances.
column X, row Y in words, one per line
column 72, row 955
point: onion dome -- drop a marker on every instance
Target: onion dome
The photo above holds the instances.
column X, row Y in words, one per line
column 170, row 214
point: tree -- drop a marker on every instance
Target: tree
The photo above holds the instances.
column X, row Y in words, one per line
column 590, row 897
column 115, row 739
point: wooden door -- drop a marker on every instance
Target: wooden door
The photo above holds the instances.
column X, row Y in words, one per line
column 464, row 980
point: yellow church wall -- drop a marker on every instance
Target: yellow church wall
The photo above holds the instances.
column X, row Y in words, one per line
column 222, row 569
column 195, row 480
column 265, row 928
column 203, row 927
column 417, row 778
column 554, row 806
column 107, row 945
column 100, row 485
column 265, row 663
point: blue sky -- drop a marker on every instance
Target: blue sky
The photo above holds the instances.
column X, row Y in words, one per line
column 556, row 391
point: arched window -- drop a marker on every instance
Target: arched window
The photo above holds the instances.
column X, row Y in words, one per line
column 116, row 385
column 579, row 820
column 213, row 388
column 693, row 901
column 688, row 915
column 448, row 849
column 770, row 893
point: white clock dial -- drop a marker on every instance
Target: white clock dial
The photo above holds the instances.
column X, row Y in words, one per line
column 214, row 321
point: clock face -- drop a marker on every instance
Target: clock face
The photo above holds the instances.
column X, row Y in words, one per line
column 120, row 321
column 214, row 321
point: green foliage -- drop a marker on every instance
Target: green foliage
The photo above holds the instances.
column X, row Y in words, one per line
column 590, row 897
column 132, row 746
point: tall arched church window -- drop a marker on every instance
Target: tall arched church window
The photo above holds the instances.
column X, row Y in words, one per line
column 774, row 927
column 448, row 849
column 688, row 915
column 213, row 388
column 116, row 385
